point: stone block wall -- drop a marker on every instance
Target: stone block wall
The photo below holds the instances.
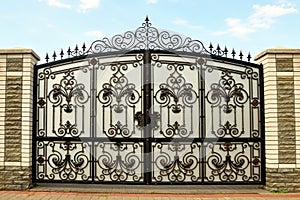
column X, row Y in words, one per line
column 16, row 86
column 282, row 117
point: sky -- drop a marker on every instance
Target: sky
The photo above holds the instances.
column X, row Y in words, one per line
column 247, row 25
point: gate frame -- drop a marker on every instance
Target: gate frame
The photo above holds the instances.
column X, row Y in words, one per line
column 217, row 54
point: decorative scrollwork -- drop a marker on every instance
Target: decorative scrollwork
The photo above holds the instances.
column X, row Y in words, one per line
column 67, row 89
column 178, row 168
column 46, row 74
column 68, row 167
column 231, row 167
column 118, row 129
column 147, row 37
column 228, row 129
column 68, row 128
column 176, row 129
column 176, row 88
column 225, row 91
column 249, row 73
column 117, row 89
column 117, row 166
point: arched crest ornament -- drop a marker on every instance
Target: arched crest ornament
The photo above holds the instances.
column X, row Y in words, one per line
column 147, row 37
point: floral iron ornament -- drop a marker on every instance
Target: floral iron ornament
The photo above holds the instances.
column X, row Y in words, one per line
column 227, row 92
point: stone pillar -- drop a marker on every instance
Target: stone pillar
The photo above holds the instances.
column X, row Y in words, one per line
column 282, row 117
column 16, row 86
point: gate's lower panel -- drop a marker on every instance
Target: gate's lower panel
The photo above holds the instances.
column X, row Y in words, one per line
column 176, row 162
column 119, row 162
column 89, row 162
column 172, row 162
column 64, row 161
column 208, row 162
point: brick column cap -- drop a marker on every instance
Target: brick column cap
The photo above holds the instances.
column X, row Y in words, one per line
column 20, row 50
column 277, row 50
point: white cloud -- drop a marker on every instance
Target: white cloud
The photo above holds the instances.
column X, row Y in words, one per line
column 97, row 34
column 262, row 18
column 82, row 5
column 236, row 28
column 185, row 23
column 151, row 1
column 88, row 4
column 58, row 3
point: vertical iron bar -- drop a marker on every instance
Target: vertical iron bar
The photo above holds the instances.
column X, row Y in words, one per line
column 34, row 123
column 147, row 96
column 202, row 126
column 262, row 125
column 92, row 122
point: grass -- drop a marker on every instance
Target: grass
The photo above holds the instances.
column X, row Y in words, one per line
column 281, row 191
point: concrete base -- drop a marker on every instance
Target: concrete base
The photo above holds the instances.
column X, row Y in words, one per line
column 152, row 189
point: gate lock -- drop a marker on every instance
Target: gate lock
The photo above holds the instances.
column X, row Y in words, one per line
column 151, row 119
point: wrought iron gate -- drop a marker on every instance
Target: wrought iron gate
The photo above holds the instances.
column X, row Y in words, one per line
column 148, row 107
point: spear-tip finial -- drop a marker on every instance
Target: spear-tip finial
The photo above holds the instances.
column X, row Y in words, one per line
column 147, row 19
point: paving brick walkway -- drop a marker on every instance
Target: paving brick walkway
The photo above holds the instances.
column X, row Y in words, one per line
column 142, row 192
column 30, row 195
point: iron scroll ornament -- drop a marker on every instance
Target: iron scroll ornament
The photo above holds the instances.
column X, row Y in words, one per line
column 147, row 37
column 120, row 163
column 67, row 95
column 176, row 94
column 227, row 95
column 68, row 161
column 119, row 94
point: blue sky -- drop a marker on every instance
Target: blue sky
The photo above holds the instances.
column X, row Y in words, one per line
column 48, row 25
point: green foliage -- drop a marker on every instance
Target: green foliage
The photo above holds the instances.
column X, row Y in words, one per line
column 279, row 191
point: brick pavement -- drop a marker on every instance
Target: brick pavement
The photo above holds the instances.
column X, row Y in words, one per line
column 37, row 195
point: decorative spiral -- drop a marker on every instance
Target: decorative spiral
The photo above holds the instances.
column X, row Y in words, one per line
column 47, row 73
column 81, row 96
column 56, row 95
column 162, row 160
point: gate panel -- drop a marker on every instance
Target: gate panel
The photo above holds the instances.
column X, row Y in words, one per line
column 209, row 112
column 62, row 101
column 232, row 162
column 177, row 87
column 86, row 127
column 64, row 161
column 118, row 82
column 177, row 162
column 232, row 97
column 177, row 92
column 232, row 104
column 119, row 162
column 118, row 86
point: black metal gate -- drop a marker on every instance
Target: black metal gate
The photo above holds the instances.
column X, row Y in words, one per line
column 149, row 107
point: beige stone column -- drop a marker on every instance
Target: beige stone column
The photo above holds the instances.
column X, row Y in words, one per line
column 16, row 93
column 282, row 117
